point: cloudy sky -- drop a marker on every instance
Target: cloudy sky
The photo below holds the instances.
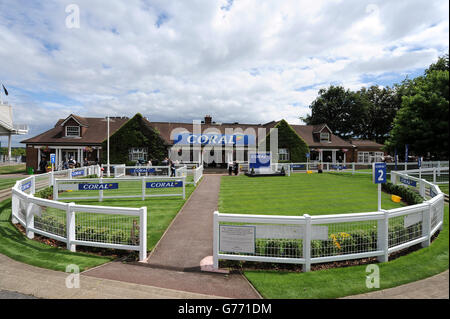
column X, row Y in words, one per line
column 247, row 61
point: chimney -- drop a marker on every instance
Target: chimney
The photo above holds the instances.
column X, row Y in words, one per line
column 208, row 119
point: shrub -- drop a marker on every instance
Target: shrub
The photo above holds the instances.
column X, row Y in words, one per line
column 45, row 193
column 408, row 195
column 291, row 248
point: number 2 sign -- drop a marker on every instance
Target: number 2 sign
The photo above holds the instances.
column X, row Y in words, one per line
column 379, row 173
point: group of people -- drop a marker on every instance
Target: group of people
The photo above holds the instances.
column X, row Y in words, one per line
column 233, row 167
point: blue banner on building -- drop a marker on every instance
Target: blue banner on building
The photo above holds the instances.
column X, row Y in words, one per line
column 97, row 186
column 168, row 184
column 215, row 139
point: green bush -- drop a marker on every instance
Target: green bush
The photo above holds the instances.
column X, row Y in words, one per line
column 291, row 249
column 45, row 193
column 408, row 195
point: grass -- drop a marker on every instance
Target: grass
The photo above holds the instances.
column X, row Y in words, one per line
column 444, row 188
column 16, row 246
column 8, row 182
column 160, row 210
column 313, row 194
column 340, row 282
column 13, row 169
column 318, row 194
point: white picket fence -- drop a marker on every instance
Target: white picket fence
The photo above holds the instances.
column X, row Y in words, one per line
column 133, row 187
column 98, row 226
column 308, row 239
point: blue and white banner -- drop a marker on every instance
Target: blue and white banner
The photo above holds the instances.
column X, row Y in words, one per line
column 78, row 173
column 298, row 166
column 168, row 184
column 141, row 170
column 408, row 182
column 26, row 186
column 259, row 160
column 214, row 139
column 97, row 186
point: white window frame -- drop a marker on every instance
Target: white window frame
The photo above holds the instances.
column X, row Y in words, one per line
column 324, row 136
column 71, row 134
column 137, row 153
column 283, row 154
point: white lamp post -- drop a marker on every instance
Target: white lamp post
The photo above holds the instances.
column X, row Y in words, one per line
column 107, row 143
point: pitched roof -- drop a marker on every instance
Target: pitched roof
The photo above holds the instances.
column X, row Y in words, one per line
column 307, row 133
column 96, row 132
column 365, row 143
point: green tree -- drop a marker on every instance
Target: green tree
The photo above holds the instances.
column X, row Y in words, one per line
column 378, row 108
column 422, row 121
column 340, row 109
column 290, row 140
column 134, row 133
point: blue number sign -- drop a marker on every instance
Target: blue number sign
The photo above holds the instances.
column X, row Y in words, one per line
column 379, row 173
column 53, row 158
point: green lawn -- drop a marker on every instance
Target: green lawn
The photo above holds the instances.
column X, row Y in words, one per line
column 341, row 282
column 313, row 194
column 319, row 194
column 7, row 182
column 13, row 169
column 16, row 246
column 444, row 188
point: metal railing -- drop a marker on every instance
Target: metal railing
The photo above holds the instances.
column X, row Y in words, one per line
column 317, row 239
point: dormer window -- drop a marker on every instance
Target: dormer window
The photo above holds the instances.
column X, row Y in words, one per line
column 324, row 137
column 72, row 131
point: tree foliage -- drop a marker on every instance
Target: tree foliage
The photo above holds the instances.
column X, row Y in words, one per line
column 422, row 121
column 134, row 133
column 289, row 139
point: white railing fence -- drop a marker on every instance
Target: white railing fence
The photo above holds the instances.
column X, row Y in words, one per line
column 125, row 187
column 317, row 239
column 99, row 226
column 198, row 174
column 146, row 171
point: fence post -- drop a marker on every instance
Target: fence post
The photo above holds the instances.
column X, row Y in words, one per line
column 184, row 187
column 29, row 221
column 85, row 171
column 216, row 240
column 55, row 189
column 353, row 168
column 143, row 233
column 50, row 182
column 100, row 192
column 70, row 173
column 307, row 244
column 15, row 204
column 143, row 188
column 70, row 227
column 33, row 185
column 383, row 237
column 434, row 175
column 426, row 226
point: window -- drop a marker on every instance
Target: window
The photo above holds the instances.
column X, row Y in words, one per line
column 325, row 137
column 73, row 131
column 283, row 154
column 137, row 153
column 370, row 157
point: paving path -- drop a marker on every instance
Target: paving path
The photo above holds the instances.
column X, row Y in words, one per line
column 43, row 283
column 175, row 261
column 435, row 287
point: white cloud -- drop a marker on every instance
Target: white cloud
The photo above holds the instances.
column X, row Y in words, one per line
column 253, row 61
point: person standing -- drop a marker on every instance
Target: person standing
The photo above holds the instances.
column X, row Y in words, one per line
column 43, row 165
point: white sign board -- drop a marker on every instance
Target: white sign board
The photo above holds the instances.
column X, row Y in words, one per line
column 237, row 239
column 412, row 219
column 290, row 232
